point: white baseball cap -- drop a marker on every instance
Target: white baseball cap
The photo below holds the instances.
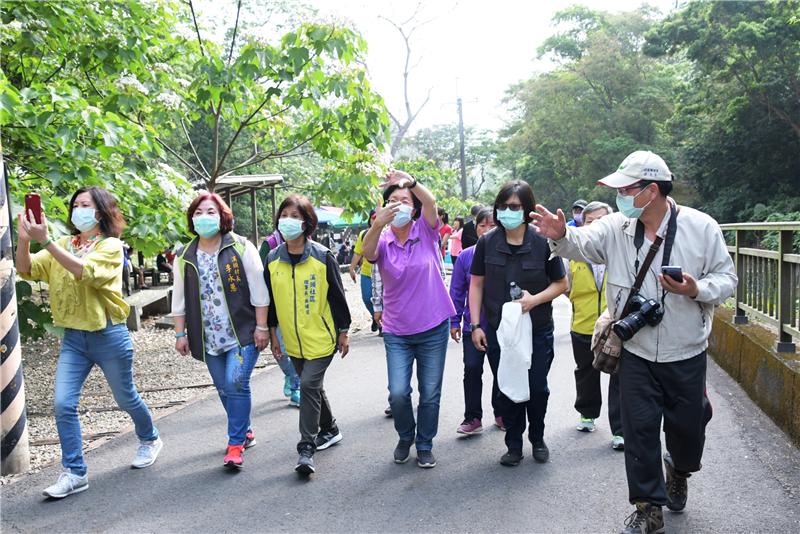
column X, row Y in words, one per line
column 639, row 165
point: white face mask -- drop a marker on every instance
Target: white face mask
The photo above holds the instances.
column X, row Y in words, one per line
column 402, row 217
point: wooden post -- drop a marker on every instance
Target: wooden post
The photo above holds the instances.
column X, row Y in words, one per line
column 254, row 215
column 740, row 317
column 16, row 456
column 785, row 343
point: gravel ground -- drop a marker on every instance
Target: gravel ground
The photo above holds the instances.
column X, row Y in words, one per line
column 156, row 365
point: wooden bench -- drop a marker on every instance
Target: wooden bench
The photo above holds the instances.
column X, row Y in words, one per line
column 146, row 303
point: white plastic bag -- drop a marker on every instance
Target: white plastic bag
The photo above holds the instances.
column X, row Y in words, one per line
column 515, row 337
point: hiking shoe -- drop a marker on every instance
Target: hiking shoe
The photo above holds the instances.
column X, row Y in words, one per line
column 67, row 484
column 388, row 411
column 249, row 439
column 402, row 452
column 305, row 462
column 233, row 458
column 618, row 443
column 586, row 424
column 327, row 439
column 470, row 427
column 677, row 486
column 147, row 453
column 287, row 386
column 374, row 326
column 498, row 422
column 511, row 458
column 294, row 400
column 426, row 459
column 540, row 451
column 646, row 519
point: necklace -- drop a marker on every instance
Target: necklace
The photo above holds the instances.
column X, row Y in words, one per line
column 80, row 250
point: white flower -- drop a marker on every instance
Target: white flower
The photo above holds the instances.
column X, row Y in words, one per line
column 14, row 26
column 129, row 81
column 163, row 67
column 169, row 100
column 183, row 82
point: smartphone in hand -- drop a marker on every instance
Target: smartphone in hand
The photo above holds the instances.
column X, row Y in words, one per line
column 673, row 271
column 33, row 203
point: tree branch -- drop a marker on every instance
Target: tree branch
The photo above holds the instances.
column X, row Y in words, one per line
column 174, row 153
column 194, row 151
column 196, row 29
column 235, row 28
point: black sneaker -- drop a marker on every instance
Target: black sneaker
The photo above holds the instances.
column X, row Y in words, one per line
column 677, row 486
column 327, row 439
column 426, row 459
column 646, row 519
column 540, row 451
column 402, row 451
column 305, row 463
column 374, row 326
column 388, row 411
column 511, row 458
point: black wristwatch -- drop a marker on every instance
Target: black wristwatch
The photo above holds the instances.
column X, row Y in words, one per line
column 474, row 326
column 413, row 183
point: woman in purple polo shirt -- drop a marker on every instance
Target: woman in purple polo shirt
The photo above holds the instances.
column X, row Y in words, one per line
column 473, row 357
column 416, row 308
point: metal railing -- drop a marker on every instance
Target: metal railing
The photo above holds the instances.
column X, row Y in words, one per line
column 769, row 279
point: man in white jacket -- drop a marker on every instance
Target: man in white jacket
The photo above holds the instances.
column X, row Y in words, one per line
column 662, row 370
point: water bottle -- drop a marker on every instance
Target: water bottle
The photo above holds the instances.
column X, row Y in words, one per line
column 516, row 292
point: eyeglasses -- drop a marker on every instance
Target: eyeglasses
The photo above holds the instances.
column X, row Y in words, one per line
column 629, row 190
column 512, row 207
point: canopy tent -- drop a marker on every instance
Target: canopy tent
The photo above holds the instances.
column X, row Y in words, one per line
column 332, row 216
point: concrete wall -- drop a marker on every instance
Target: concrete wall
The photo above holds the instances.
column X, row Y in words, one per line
column 772, row 379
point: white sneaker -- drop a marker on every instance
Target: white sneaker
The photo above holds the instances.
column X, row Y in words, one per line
column 147, row 453
column 585, row 424
column 67, row 484
column 618, row 443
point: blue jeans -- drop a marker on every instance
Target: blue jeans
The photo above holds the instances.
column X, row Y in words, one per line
column 112, row 350
column 287, row 367
column 473, row 379
column 366, row 293
column 230, row 373
column 429, row 349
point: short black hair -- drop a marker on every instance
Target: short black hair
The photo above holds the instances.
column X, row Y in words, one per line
column 483, row 214
column 417, row 203
column 664, row 188
column 475, row 209
column 443, row 215
column 524, row 193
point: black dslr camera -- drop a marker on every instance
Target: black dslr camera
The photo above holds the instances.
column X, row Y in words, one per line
column 643, row 312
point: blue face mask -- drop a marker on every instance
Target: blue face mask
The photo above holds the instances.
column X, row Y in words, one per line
column 290, row 228
column 206, row 225
column 402, row 217
column 84, row 219
column 626, row 207
column 510, row 219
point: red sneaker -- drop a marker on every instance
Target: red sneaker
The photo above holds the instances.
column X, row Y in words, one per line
column 233, row 458
column 249, row 439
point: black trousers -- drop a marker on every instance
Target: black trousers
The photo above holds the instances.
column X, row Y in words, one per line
column 589, row 397
column 650, row 392
column 473, row 379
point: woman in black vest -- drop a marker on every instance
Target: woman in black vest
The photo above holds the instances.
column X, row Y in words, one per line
column 514, row 252
column 220, row 304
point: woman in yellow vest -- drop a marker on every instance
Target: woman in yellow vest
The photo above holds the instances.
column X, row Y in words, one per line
column 84, row 274
column 587, row 292
column 309, row 305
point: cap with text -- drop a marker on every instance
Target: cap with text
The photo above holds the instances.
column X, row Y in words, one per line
column 639, row 165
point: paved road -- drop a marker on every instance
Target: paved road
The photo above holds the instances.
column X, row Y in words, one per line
column 751, row 480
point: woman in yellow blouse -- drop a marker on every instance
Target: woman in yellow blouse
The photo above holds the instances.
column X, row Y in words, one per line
column 84, row 274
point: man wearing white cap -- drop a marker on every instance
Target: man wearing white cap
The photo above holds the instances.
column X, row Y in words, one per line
column 662, row 368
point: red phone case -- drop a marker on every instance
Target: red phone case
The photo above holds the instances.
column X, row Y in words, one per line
column 34, row 203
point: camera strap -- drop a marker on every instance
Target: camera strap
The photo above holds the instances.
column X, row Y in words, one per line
column 637, row 284
column 638, row 241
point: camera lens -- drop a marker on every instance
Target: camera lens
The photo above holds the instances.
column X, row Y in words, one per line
column 627, row 327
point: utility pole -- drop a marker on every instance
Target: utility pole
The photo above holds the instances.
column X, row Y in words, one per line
column 463, row 157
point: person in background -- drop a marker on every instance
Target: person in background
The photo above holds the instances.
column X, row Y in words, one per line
column 138, row 273
column 577, row 213
column 291, row 380
column 445, row 231
column 515, row 253
column 455, row 239
column 220, row 305
column 310, row 306
column 587, row 292
column 416, row 308
column 358, row 263
column 84, row 275
column 126, row 270
column 377, row 306
column 469, row 237
column 473, row 358
column 163, row 265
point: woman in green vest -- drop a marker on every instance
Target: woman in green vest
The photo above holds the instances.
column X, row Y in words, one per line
column 587, row 292
column 219, row 303
column 310, row 307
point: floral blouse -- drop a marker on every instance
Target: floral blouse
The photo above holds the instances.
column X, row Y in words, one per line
column 217, row 327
